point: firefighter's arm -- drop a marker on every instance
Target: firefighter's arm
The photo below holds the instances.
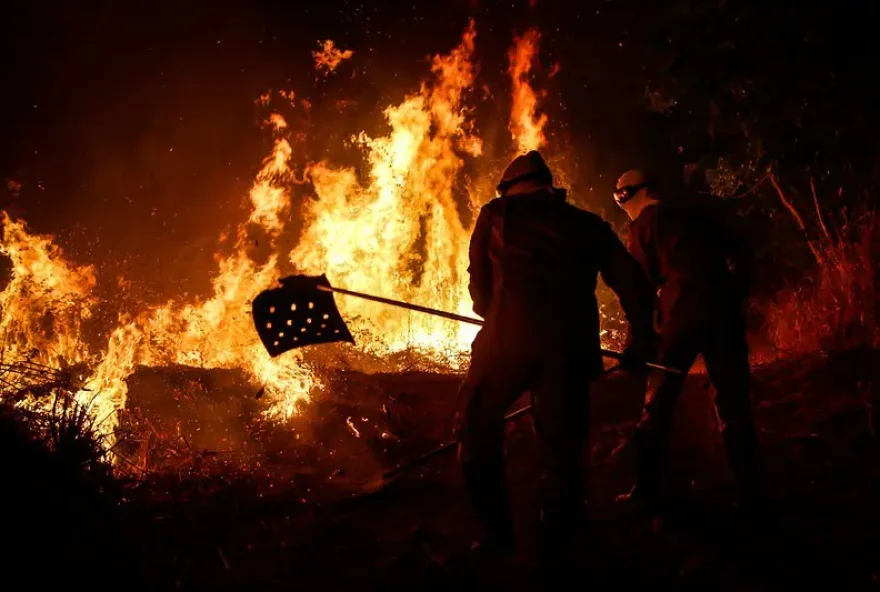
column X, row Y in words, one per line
column 480, row 266
column 623, row 274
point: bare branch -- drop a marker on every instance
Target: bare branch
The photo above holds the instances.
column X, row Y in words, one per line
column 786, row 201
column 818, row 209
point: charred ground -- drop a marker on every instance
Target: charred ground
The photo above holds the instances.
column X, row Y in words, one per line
column 302, row 519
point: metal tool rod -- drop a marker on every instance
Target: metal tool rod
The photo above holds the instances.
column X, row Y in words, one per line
column 463, row 319
column 444, row 448
column 406, row 305
column 450, row 445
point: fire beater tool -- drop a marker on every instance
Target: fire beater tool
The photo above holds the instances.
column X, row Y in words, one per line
column 302, row 311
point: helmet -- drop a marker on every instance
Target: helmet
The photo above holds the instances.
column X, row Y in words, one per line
column 526, row 166
column 631, row 182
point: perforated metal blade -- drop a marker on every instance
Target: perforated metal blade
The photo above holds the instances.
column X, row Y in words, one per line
column 297, row 314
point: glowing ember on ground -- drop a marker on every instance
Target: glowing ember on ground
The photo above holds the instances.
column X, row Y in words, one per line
column 351, row 427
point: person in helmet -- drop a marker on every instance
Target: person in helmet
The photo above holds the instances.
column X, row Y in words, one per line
column 703, row 274
column 534, row 262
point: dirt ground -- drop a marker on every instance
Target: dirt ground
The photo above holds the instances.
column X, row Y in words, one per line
column 297, row 517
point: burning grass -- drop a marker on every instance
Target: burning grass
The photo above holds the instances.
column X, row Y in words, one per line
column 280, row 524
column 44, row 406
column 837, row 308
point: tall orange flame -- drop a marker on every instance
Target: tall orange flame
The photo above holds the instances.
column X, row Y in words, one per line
column 46, row 302
column 400, row 235
column 218, row 332
column 526, row 126
column 215, row 333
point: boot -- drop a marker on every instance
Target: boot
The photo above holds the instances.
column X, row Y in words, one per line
column 647, row 493
column 556, row 538
column 563, row 513
column 741, row 446
column 488, row 492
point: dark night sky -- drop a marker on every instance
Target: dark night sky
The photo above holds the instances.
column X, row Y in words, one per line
column 132, row 128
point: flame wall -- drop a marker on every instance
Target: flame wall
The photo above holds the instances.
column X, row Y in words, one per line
column 397, row 226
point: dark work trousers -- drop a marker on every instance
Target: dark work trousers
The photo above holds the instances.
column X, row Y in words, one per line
column 722, row 343
column 500, row 372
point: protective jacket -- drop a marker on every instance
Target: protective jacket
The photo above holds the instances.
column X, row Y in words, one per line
column 534, row 263
column 694, row 260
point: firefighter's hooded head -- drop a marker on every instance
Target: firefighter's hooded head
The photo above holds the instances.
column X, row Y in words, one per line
column 529, row 170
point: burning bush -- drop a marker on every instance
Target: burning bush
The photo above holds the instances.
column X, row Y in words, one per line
column 837, row 307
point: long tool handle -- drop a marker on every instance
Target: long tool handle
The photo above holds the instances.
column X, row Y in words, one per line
column 463, row 319
column 406, row 305
column 444, row 448
column 450, row 445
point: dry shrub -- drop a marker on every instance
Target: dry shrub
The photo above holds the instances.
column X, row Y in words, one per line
column 837, row 307
column 59, row 502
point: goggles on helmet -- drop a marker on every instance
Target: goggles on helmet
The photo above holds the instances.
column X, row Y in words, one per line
column 625, row 193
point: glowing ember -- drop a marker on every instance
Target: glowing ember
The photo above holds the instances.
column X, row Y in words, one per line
column 351, row 427
column 329, row 57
